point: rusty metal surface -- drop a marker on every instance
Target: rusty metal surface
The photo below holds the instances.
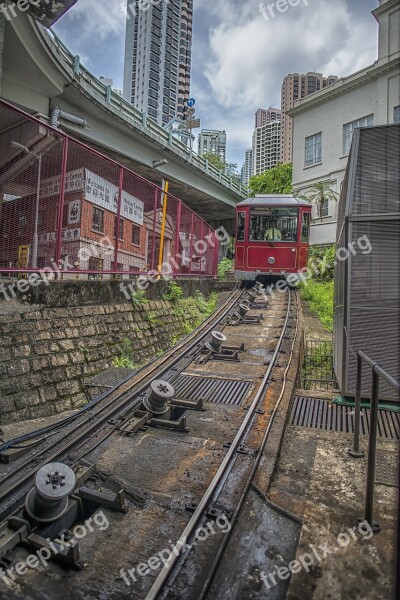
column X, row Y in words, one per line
column 170, row 469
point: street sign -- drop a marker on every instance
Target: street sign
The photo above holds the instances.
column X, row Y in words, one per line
column 49, row 14
column 191, row 102
column 190, row 112
column 193, row 123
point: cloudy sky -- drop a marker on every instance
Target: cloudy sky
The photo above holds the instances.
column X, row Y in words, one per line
column 239, row 57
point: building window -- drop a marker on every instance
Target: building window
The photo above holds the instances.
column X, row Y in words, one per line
column 135, row 235
column 325, row 208
column 121, row 228
column 313, row 154
column 305, row 228
column 95, row 264
column 396, row 114
column 22, row 222
column 349, row 128
column 98, row 220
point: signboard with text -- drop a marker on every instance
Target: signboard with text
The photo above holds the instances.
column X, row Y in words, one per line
column 97, row 190
column 48, row 12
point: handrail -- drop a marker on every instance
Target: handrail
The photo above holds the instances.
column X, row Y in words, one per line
column 377, row 373
column 141, row 120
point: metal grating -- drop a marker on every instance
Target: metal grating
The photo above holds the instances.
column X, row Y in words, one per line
column 321, row 414
column 222, row 391
column 110, row 377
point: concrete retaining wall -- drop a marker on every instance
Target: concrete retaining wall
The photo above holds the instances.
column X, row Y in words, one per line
column 46, row 351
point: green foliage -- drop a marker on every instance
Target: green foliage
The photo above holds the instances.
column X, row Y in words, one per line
column 277, row 180
column 318, row 194
column 174, row 292
column 322, row 262
column 226, row 264
column 318, row 291
column 124, row 358
column 139, row 299
column 319, row 295
column 151, row 318
column 215, row 160
column 229, row 168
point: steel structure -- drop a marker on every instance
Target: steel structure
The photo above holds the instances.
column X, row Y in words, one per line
column 68, row 211
column 367, row 282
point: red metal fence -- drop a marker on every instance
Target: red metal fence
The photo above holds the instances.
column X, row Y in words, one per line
column 67, row 210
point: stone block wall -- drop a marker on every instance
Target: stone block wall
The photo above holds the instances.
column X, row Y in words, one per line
column 45, row 354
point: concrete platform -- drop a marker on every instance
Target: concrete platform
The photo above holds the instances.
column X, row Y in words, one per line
column 318, row 481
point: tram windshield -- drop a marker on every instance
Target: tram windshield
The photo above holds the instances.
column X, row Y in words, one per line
column 273, row 224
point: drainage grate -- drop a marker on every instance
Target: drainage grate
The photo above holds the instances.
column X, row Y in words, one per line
column 321, row 414
column 223, row 391
column 110, row 377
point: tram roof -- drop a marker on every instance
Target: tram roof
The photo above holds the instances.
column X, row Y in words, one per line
column 273, row 200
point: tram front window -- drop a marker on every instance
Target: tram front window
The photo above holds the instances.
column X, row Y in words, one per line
column 274, row 225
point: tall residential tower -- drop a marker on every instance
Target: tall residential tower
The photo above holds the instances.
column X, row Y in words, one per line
column 158, row 50
column 212, row 141
column 266, row 139
column 297, row 86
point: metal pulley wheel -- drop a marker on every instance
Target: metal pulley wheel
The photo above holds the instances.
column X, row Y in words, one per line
column 48, row 500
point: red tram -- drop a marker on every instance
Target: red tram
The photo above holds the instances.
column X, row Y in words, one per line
column 272, row 236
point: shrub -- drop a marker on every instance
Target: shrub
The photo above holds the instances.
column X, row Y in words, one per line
column 319, row 295
column 226, row 264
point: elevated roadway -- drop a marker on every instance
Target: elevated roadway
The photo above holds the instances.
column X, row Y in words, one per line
column 39, row 74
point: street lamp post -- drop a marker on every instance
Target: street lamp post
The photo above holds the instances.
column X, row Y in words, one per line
column 35, row 241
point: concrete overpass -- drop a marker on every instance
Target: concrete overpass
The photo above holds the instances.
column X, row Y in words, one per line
column 38, row 74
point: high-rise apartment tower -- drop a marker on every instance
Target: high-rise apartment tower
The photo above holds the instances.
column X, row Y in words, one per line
column 297, row 86
column 158, row 50
column 212, row 141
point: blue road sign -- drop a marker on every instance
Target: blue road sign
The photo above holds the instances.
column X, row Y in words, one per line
column 191, row 102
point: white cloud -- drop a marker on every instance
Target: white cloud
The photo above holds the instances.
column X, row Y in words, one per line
column 248, row 57
column 99, row 18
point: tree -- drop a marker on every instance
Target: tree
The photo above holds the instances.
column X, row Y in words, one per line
column 277, row 180
column 215, row 160
column 318, row 194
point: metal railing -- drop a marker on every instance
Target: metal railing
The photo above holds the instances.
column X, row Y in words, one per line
column 317, row 372
column 377, row 374
column 140, row 120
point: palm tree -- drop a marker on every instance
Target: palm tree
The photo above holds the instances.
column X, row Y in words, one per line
column 318, row 194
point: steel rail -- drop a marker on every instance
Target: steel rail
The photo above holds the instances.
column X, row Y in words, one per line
column 126, row 404
column 211, row 573
column 166, row 571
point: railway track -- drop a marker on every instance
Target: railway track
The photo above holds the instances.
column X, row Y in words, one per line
column 187, row 483
column 229, row 471
column 112, row 406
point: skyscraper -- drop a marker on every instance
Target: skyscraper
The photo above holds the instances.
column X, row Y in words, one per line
column 266, row 139
column 267, row 115
column 247, row 168
column 212, row 141
column 158, row 50
column 266, row 146
column 297, row 86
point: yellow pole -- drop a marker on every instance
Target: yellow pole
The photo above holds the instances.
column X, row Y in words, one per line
column 164, row 218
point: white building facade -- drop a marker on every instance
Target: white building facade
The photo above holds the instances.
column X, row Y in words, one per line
column 324, row 121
